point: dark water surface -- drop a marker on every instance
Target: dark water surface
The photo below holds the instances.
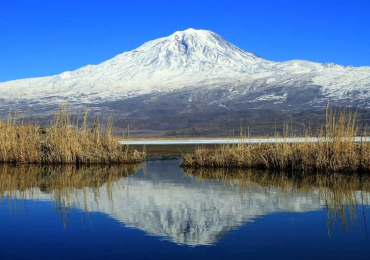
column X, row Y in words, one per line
column 160, row 211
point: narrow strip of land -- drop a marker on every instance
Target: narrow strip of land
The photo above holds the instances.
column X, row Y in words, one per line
column 232, row 141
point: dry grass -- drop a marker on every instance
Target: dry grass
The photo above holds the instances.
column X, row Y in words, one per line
column 62, row 142
column 334, row 151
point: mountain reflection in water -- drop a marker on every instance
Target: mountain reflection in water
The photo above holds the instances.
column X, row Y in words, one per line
column 191, row 207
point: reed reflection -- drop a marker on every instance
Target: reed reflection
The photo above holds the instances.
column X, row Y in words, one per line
column 342, row 196
column 188, row 207
column 61, row 184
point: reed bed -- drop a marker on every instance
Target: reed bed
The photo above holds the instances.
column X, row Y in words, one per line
column 62, row 142
column 334, row 150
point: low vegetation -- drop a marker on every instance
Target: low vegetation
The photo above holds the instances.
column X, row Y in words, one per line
column 334, row 149
column 62, row 142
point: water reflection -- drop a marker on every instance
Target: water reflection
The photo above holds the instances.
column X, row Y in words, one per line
column 67, row 186
column 191, row 207
column 341, row 196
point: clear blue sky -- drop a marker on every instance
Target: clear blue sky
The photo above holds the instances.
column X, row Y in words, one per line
column 40, row 38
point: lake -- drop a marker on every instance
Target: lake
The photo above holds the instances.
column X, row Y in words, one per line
column 158, row 210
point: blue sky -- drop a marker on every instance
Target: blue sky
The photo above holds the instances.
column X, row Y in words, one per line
column 40, row 38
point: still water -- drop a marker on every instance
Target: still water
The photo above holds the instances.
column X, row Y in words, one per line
column 160, row 211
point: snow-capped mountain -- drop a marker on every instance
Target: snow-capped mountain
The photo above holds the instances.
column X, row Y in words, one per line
column 190, row 71
column 184, row 58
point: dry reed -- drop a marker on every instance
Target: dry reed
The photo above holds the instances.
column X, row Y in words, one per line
column 62, row 142
column 334, row 150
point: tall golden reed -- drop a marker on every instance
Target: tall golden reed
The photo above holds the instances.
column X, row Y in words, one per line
column 62, row 142
column 334, row 150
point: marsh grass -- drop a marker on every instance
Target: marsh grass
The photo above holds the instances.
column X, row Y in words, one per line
column 62, row 142
column 334, row 150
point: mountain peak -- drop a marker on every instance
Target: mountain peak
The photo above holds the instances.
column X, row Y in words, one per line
column 200, row 36
column 193, row 47
column 192, row 31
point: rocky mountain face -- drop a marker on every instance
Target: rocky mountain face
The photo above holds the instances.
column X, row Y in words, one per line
column 193, row 79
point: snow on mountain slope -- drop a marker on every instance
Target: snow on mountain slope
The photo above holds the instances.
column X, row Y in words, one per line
column 187, row 60
column 183, row 58
column 336, row 81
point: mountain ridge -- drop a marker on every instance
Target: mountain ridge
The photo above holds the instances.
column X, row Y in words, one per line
column 190, row 72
